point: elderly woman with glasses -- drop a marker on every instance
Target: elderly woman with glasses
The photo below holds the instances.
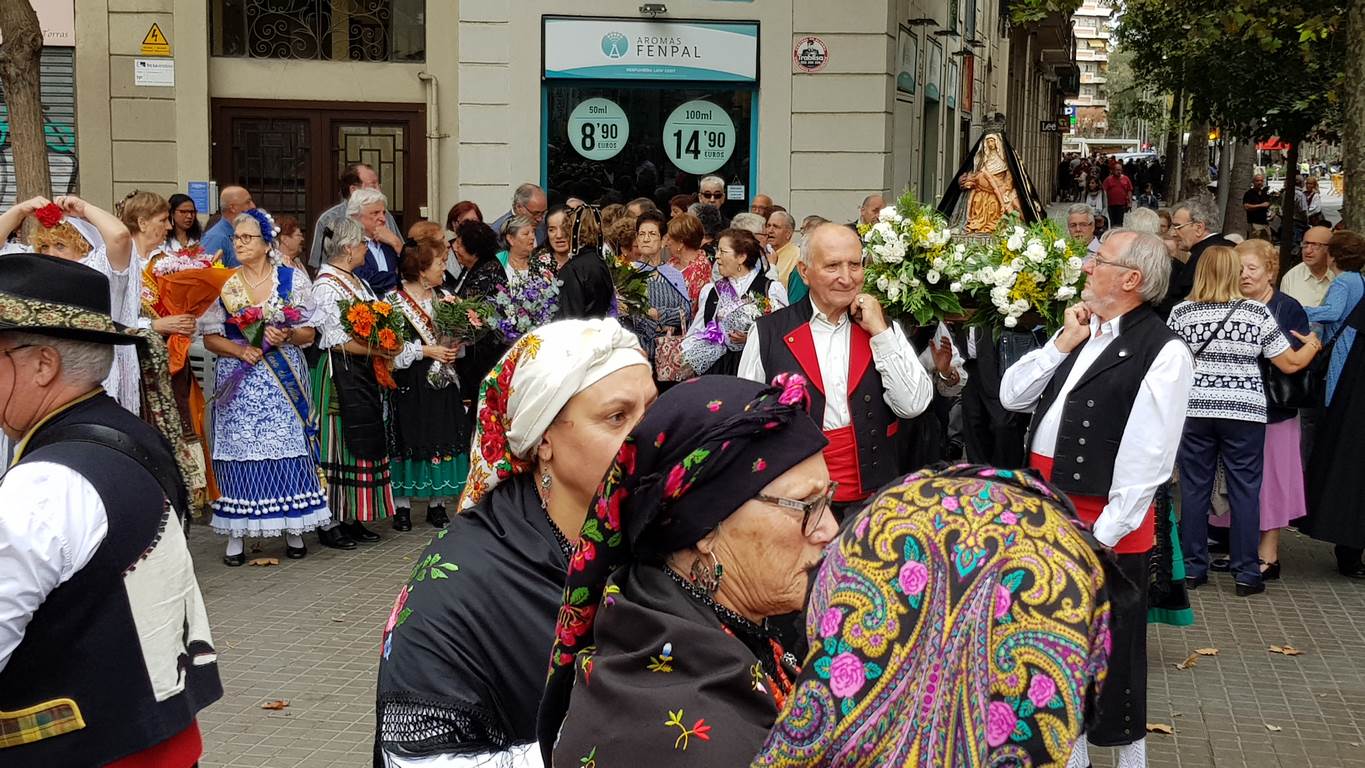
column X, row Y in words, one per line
column 713, row 519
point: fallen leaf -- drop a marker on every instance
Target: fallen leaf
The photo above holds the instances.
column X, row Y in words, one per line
column 1190, row 661
column 1273, row 728
column 1206, row 651
column 277, row 704
column 264, row 561
column 338, row 619
column 1160, row 728
column 1287, row 650
column 1355, row 743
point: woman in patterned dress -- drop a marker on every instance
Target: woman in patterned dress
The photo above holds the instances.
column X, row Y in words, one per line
column 430, row 436
column 263, row 449
column 349, row 398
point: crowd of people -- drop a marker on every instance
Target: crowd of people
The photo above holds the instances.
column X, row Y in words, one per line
column 744, row 514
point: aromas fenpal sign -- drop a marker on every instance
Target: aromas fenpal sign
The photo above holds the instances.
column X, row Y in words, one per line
column 633, row 49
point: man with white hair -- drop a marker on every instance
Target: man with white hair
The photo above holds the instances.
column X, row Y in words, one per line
column 781, row 227
column 527, row 200
column 1195, row 225
column 711, row 191
column 369, row 209
column 1108, row 395
column 1080, row 225
column 105, row 651
column 355, row 176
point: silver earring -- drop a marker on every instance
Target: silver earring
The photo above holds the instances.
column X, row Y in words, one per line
column 707, row 579
column 545, row 481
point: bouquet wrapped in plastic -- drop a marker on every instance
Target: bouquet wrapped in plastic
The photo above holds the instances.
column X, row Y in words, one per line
column 376, row 325
column 458, row 321
column 522, row 305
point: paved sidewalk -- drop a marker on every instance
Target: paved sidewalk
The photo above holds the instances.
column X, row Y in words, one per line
column 308, row 632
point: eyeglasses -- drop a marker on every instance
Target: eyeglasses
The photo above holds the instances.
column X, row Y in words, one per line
column 646, row 235
column 1098, row 262
column 12, row 350
column 1180, row 226
column 245, row 238
column 811, row 511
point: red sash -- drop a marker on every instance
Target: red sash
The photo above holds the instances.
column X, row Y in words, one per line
column 179, row 751
column 841, row 456
column 1142, row 539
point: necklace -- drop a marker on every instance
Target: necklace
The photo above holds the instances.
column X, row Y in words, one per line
column 726, row 615
column 257, row 283
column 564, row 545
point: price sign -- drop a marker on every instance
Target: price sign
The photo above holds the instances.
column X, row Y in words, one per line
column 699, row 137
column 598, row 128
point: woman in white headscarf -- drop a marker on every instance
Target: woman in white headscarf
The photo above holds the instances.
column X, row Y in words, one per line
column 455, row 687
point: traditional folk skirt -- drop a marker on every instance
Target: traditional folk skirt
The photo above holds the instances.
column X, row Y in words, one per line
column 429, row 436
column 354, row 452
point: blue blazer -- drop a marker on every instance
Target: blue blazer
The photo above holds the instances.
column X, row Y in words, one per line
column 381, row 281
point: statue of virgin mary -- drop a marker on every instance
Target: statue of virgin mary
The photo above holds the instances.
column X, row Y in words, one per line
column 989, row 186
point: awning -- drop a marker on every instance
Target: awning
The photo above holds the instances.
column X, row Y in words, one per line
column 1273, row 144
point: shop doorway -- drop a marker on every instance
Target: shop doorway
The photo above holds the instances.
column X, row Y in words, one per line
column 289, row 154
column 929, row 188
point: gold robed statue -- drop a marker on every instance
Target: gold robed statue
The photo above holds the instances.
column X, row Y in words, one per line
column 990, row 189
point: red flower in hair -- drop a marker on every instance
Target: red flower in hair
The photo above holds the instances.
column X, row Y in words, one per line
column 49, row 215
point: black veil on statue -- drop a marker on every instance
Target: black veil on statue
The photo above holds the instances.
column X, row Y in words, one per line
column 953, row 202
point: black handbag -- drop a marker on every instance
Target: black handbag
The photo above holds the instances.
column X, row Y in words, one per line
column 1301, row 390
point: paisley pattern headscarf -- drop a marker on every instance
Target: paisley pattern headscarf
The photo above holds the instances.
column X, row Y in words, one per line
column 522, row 394
column 960, row 621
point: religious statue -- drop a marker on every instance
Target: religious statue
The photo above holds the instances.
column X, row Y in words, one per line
column 990, row 190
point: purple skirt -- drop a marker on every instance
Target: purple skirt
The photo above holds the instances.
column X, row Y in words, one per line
column 1282, row 499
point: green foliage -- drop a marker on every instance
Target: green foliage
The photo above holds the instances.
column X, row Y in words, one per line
column 1029, row 11
column 1266, row 67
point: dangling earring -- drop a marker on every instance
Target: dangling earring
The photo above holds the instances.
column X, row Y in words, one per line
column 707, row 579
column 545, row 480
column 543, row 488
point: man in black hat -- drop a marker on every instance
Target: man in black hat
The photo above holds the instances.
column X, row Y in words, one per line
column 105, row 651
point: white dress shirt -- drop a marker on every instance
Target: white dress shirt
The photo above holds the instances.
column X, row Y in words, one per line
column 908, row 389
column 51, row 522
column 1151, row 437
column 777, row 296
column 381, row 261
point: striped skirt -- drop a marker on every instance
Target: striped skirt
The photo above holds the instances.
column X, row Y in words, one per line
column 358, row 490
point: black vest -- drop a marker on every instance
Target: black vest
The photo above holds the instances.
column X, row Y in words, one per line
column 83, row 643
column 874, row 423
column 728, row 364
column 1096, row 410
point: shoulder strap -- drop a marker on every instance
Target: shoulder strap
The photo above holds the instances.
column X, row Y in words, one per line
column 1218, row 328
column 108, row 437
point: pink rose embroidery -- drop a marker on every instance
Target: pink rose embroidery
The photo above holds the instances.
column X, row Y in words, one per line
column 1000, row 722
column 1003, row 600
column 950, row 504
column 830, row 622
column 846, row 675
column 1041, row 689
column 1009, row 518
column 913, row 578
column 713, row 406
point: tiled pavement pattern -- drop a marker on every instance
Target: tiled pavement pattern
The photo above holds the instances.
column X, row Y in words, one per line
column 308, row 631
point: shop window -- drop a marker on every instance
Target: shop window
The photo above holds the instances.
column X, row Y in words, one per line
column 326, row 30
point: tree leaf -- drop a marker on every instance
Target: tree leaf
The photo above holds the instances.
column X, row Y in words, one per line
column 1286, row 650
column 265, row 562
column 276, row 705
column 1206, row 651
column 1160, row 728
column 1273, row 728
column 1190, row 661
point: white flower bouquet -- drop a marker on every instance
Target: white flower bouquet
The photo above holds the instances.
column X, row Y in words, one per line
column 1027, row 274
column 911, row 263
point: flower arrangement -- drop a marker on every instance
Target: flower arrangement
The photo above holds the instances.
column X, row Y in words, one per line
column 911, row 262
column 252, row 320
column 632, row 286
column 524, row 304
column 701, row 350
column 376, row 325
column 462, row 319
column 1025, row 269
column 190, row 257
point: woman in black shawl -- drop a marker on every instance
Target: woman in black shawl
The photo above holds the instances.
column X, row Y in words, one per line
column 476, row 248
column 712, row 520
column 463, row 662
column 585, row 287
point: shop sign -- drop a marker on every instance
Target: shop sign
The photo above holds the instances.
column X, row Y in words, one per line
column 598, row 128
column 699, row 137
column 810, row 54
column 633, row 49
column 1049, row 126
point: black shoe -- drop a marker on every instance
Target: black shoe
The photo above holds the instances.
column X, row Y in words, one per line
column 1195, row 582
column 1247, row 590
column 1271, row 572
column 232, row 561
column 336, row 538
column 359, row 532
column 1357, row 573
column 1221, row 565
column 402, row 519
column 437, row 516
column 296, row 553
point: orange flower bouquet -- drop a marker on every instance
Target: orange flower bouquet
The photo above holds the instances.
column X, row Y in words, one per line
column 376, row 325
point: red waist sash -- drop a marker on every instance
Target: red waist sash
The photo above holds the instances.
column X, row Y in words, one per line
column 841, row 455
column 182, row 750
column 1089, row 508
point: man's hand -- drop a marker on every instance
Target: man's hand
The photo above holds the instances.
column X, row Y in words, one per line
column 867, row 312
column 942, row 350
column 1076, row 330
column 387, row 236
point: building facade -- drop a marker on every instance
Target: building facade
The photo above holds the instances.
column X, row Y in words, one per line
column 816, row 104
column 1093, row 23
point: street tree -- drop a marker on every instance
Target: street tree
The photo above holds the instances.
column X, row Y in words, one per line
column 21, row 46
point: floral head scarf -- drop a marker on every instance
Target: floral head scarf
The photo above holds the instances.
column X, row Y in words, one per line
column 702, row 450
column 522, row 394
column 960, row 621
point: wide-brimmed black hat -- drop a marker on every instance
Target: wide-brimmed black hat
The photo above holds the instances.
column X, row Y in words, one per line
column 56, row 297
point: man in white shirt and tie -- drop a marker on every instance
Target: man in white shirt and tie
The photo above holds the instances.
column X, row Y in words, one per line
column 864, row 374
column 1108, row 395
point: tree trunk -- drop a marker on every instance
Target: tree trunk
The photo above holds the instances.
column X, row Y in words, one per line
column 1173, row 136
column 19, row 70
column 1288, row 241
column 1238, row 180
column 1195, row 183
column 1353, row 119
column 1225, row 160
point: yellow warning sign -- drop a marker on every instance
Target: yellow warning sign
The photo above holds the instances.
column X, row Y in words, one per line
column 155, row 43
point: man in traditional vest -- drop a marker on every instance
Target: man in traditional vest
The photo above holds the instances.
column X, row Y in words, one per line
column 864, row 374
column 105, row 654
column 1108, row 395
